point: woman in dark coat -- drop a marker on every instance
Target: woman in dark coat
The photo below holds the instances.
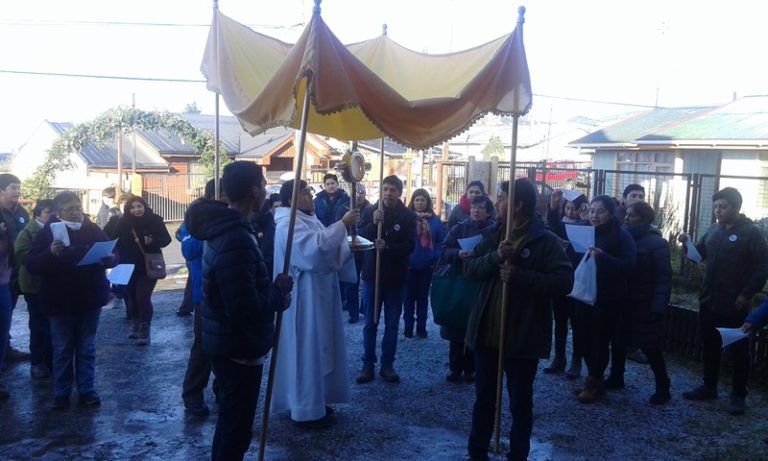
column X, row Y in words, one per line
column 595, row 326
column 139, row 229
column 460, row 359
column 71, row 296
column 649, row 291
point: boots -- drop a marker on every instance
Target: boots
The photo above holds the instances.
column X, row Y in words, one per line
column 661, row 396
column 574, row 371
column 556, row 366
column 592, row 391
column 135, row 327
column 143, row 337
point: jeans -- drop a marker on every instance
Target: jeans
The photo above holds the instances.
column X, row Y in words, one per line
column 712, row 350
column 6, row 310
column 350, row 292
column 138, row 298
column 198, row 367
column 392, row 300
column 39, row 333
column 74, row 351
column 520, row 374
column 417, row 298
column 237, row 398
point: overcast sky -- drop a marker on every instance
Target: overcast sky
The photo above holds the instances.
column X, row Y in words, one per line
column 677, row 52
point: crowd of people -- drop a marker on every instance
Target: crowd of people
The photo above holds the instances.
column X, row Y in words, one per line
column 522, row 265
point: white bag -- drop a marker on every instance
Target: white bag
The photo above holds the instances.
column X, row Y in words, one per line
column 585, row 280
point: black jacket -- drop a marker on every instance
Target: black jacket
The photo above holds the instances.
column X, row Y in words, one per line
column 615, row 265
column 543, row 272
column 149, row 224
column 399, row 231
column 736, row 264
column 239, row 298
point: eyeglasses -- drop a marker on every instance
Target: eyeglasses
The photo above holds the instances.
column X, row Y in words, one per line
column 72, row 209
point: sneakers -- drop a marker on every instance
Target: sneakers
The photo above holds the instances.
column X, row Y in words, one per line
column 701, row 393
column 738, row 405
column 421, row 333
column 90, row 399
column 39, row 371
column 389, row 375
column 453, row 377
column 201, row 410
column 14, row 355
column 365, row 376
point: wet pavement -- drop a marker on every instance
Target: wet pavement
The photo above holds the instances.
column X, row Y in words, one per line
column 423, row 417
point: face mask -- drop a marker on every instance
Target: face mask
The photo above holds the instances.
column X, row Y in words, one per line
column 73, row 225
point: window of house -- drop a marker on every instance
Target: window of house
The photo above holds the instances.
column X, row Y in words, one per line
column 195, row 176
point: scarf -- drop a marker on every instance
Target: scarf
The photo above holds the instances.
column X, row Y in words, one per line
column 423, row 231
column 75, row 226
column 464, row 203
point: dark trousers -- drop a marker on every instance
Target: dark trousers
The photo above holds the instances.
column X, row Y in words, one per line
column 658, row 366
column 198, row 367
column 40, row 346
column 186, row 301
column 594, row 328
column 561, row 310
column 417, row 298
column 138, row 298
column 238, row 395
column 712, row 343
column 520, row 374
column 460, row 358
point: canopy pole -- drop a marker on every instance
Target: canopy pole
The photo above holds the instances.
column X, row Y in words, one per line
column 505, row 288
column 379, row 231
column 217, row 153
column 286, row 263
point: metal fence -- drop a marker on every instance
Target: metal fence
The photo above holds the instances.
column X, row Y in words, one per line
column 170, row 195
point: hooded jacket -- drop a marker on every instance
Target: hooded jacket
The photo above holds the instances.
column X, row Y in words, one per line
column 327, row 211
column 736, row 264
column 239, row 299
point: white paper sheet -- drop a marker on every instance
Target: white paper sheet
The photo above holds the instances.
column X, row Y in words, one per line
column 691, row 252
column 571, row 195
column 98, row 251
column 469, row 243
column 731, row 335
column 581, row 237
column 59, row 231
column 120, row 274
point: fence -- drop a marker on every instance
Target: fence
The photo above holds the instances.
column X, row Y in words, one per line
column 170, row 195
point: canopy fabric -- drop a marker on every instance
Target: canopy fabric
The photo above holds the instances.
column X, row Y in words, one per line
column 364, row 90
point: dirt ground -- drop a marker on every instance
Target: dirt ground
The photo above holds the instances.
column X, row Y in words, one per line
column 423, row 417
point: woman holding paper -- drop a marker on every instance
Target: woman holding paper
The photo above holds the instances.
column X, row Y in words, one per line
column 460, row 359
column 614, row 254
column 430, row 233
column 140, row 231
column 563, row 210
column 71, row 295
column 649, row 294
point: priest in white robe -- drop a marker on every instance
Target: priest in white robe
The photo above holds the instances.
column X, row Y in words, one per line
column 311, row 368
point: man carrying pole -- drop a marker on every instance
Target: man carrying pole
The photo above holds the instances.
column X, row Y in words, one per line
column 532, row 266
column 397, row 241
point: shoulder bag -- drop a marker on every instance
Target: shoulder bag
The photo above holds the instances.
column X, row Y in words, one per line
column 153, row 262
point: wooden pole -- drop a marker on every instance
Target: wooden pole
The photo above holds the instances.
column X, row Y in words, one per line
column 286, row 263
column 119, row 184
column 217, row 153
column 379, row 231
column 504, row 289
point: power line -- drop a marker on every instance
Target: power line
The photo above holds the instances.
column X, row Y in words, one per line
column 182, row 80
column 36, row 22
column 107, row 77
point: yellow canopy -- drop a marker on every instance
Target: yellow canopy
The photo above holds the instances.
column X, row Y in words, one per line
column 365, row 90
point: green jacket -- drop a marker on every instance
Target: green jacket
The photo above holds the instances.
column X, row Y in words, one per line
column 543, row 272
column 29, row 284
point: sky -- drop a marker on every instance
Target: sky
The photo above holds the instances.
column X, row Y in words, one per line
column 670, row 53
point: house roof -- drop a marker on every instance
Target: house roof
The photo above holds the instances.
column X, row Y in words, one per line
column 738, row 123
column 106, row 156
column 168, row 143
column 254, row 147
column 628, row 131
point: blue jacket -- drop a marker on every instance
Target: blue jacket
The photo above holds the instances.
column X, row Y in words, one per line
column 423, row 258
column 192, row 250
column 329, row 212
column 759, row 317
